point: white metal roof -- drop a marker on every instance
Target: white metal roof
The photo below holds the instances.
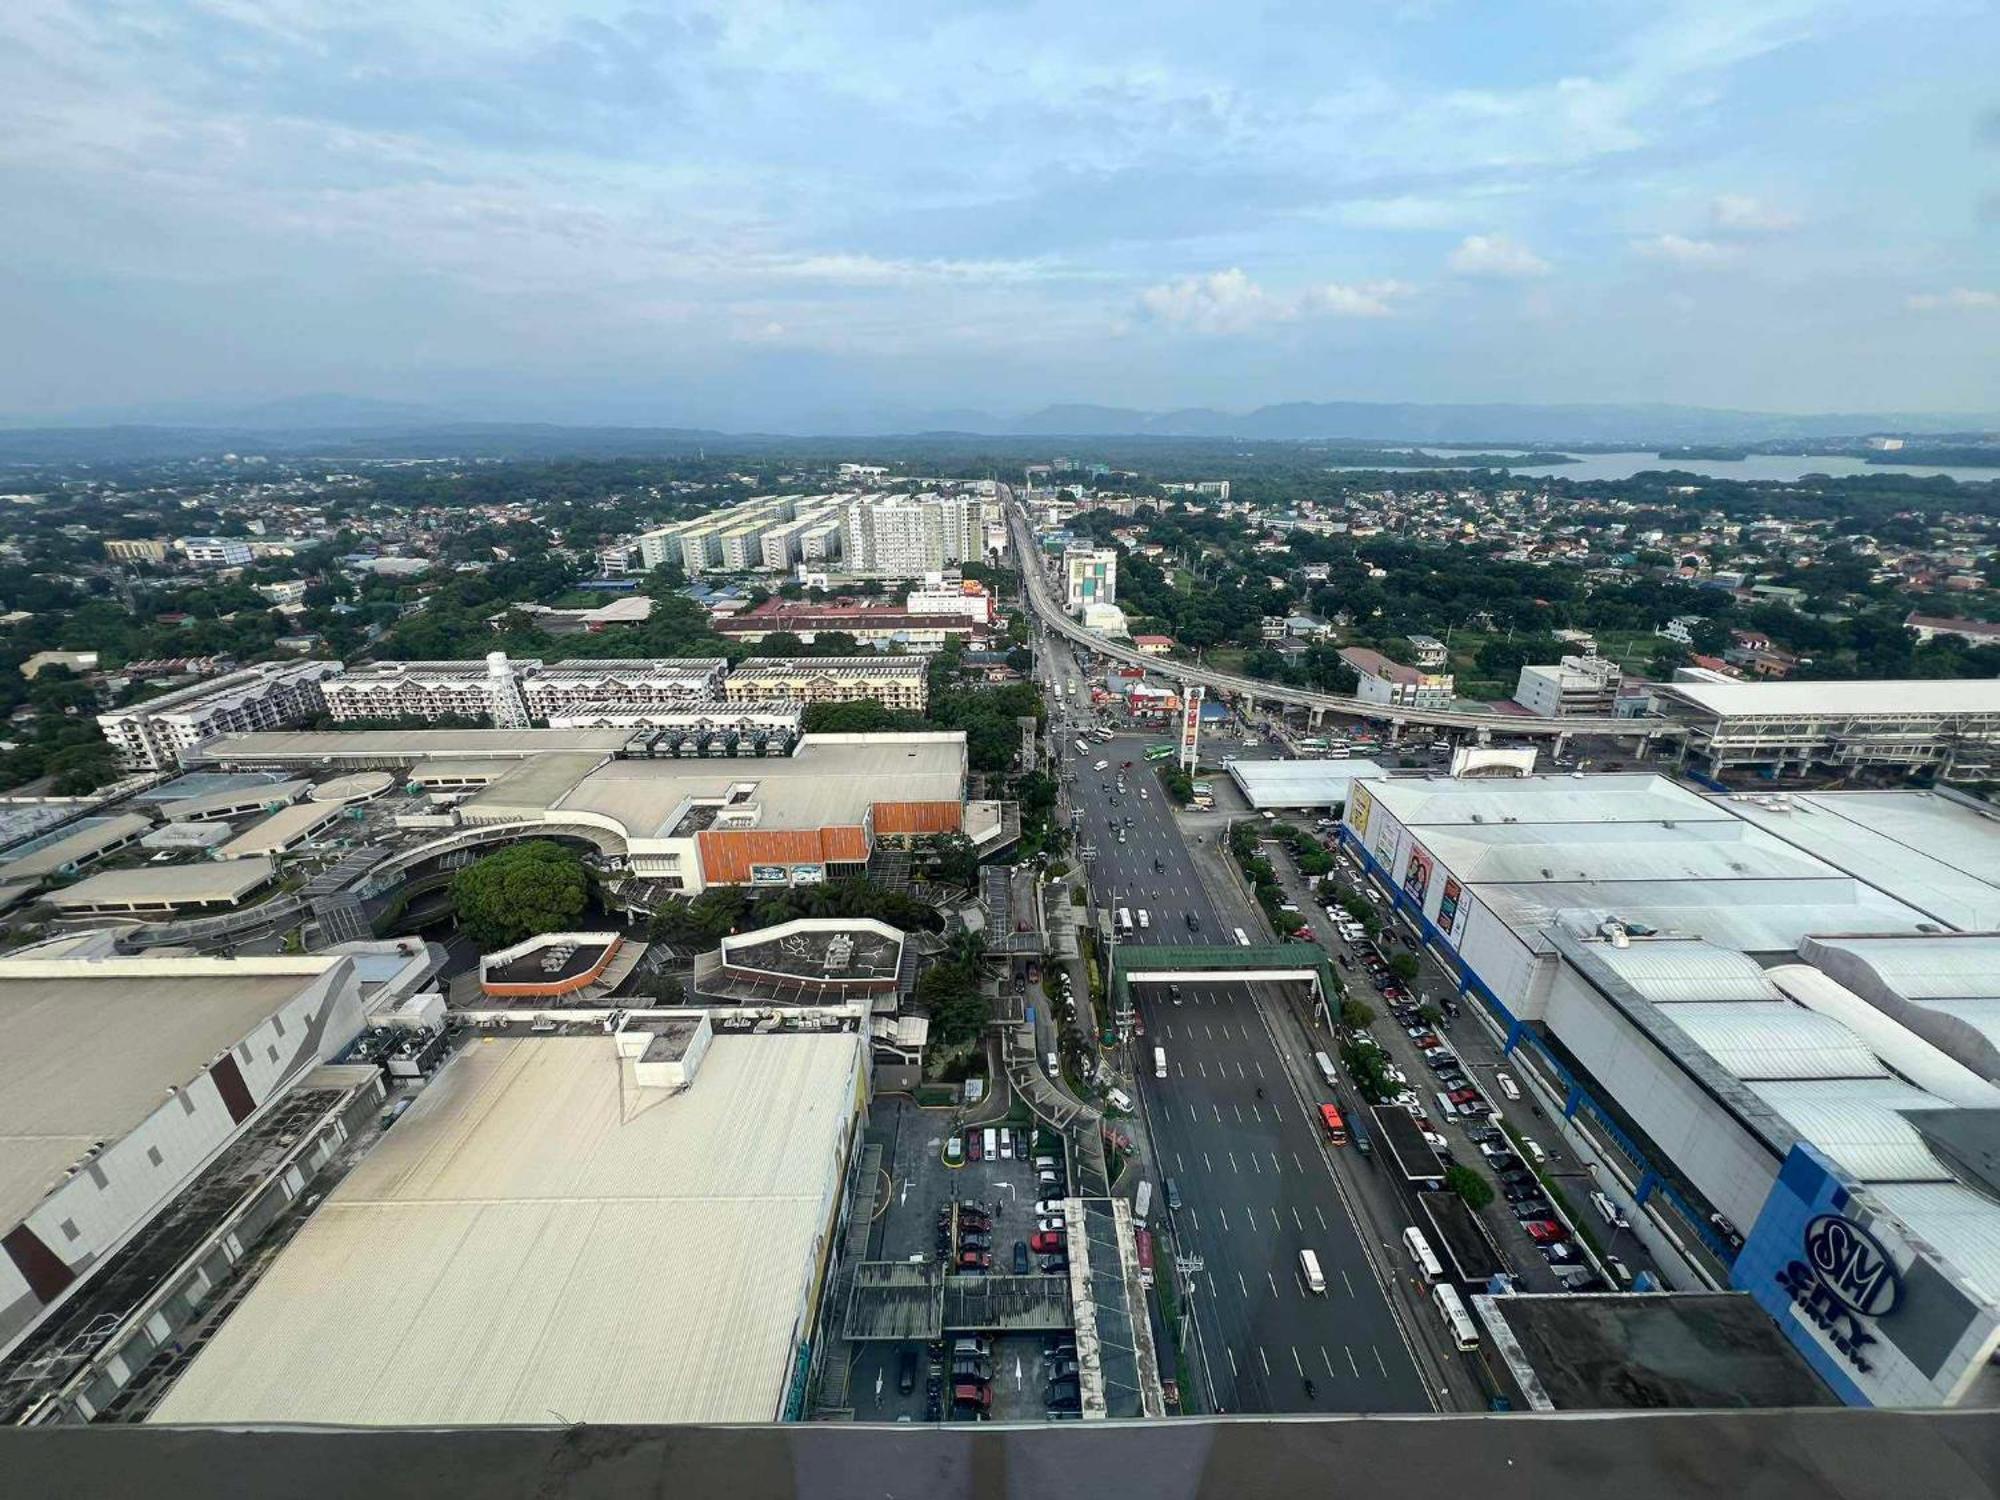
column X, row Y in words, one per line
column 1939, row 967
column 1931, row 851
column 539, row 1239
column 1855, row 1121
column 1300, row 783
column 1903, row 696
column 1751, row 916
column 1962, row 1225
column 1916, row 1058
column 171, row 884
column 1776, row 1039
column 1669, row 972
column 1700, row 850
column 1632, row 797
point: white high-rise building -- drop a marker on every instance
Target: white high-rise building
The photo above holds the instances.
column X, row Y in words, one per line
column 153, row 736
column 1090, row 576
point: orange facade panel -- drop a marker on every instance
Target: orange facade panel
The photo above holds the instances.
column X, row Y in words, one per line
column 557, row 987
column 918, row 817
column 728, row 854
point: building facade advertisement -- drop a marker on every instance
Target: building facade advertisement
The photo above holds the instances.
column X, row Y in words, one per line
column 1359, row 805
column 1448, row 905
column 769, row 875
column 1417, row 879
column 807, row 874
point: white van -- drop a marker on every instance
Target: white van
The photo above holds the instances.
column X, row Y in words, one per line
column 1505, row 1083
column 1309, row 1273
column 1535, row 1153
column 1159, row 1062
column 992, row 1144
column 1609, row 1211
column 1144, row 920
column 1120, row 1100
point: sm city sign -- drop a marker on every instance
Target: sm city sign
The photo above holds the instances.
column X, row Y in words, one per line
column 1845, row 1282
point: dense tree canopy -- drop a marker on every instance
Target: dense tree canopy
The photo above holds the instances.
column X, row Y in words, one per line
column 520, row 891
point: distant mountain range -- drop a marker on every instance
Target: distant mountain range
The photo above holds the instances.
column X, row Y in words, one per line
column 336, row 424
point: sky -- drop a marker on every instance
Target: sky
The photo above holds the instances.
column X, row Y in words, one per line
column 767, row 214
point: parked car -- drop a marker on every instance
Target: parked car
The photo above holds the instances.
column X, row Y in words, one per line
column 975, row 1260
column 1052, row 1264
column 1532, row 1208
column 1053, row 1223
column 1049, row 1206
column 1462, row 1096
column 972, row 1394
column 1505, row 1083
column 1045, row 1241
column 1426, row 1039
column 974, row 1144
column 1544, row 1231
column 1609, row 1211
column 954, row 1151
column 1535, row 1153
column 1520, row 1194
column 906, row 1370
column 1020, row 1257
column 1173, row 1194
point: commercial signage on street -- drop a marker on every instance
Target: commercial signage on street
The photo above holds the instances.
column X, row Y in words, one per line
column 1190, row 727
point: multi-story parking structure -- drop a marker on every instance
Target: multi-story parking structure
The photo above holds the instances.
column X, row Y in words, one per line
column 1794, row 727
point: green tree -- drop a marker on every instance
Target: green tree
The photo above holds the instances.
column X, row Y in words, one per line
column 1404, row 966
column 1469, row 1185
column 534, row 887
column 1356, row 1015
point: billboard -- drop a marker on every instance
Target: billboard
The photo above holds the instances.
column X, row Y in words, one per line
column 1417, row 879
column 769, row 875
column 1448, row 907
column 1191, row 727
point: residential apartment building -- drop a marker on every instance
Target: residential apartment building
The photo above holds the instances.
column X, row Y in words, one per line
column 1090, row 576
column 516, row 694
column 1390, row 682
column 1428, row 651
column 898, row 682
column 214, row 551
column 876, row 625
column 1586, row 685
column 153, row 736
column 135, row 549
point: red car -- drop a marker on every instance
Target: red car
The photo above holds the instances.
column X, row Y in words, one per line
column 975, row 1143
column 967, row 1393
column 975, row 1260
column 1045, row 1240
column 1544, row 1231
column 1425, row 1042
column 1462, row 1096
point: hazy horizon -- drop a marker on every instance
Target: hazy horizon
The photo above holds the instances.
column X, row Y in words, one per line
column 767, row 216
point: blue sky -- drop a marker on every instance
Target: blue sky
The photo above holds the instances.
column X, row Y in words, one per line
column 769, row 212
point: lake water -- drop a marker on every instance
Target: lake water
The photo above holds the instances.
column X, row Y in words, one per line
column 1770, row 466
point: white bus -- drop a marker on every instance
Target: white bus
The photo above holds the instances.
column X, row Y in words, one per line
column 1421, row 1255
column 1457, row 1321
column 1242, row 938
column 1124, row 919
column 1326, row 1068
column 1142, row 1204
column 1159, row 1062
column 1082, row 748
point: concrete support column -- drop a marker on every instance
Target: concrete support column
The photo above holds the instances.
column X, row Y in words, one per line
column 1562, row 744
column 1573, row 1102
column 1646, row 1185
column 1515, row 1033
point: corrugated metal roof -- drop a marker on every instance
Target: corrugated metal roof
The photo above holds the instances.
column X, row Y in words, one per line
column 1613, row 798
column 1943, row 966
column 1855, row 1121
column 540, row 1240
column 1916, row 1058
column 1670, row 972
column 1672, row 850
column 1751, row 916
column 1777, row 1039
column 1963, row 1226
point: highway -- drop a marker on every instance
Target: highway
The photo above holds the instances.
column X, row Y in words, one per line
column 1243, row 1148
column 1049, row 608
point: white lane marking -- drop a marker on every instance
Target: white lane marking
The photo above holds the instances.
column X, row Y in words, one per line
column 1264, row 1361
column 1349, row 1280
column 1378, row 1362
column 1244, row 1285
column 1232, row 1162
column 1275, row 1165
column 1224, row 1213
column 1299, row 1164
column 1206, row 1162
column 1274, row 1285
column 1320, row 1216
column 1300, row 1222
column 1297, row 1363
column 1356, row 1368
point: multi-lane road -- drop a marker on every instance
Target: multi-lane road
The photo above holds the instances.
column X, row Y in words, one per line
column 1235, row 1131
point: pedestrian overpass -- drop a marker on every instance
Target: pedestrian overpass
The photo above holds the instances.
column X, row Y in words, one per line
column 1173, row 963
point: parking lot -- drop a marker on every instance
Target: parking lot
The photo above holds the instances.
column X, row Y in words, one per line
column 932, row 1211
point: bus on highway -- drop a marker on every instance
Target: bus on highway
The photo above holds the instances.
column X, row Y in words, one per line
column 1124, row 919
column 1242, row 938
column 1326, row 1068
column 1336, row 1128
column 1082, row 748
column 1457, row 1321
column 1159, row 752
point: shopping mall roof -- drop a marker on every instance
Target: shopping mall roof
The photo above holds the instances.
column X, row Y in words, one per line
column 831, row 780
column 194, row 884
column 284, row 828
column 1751, row 916
column 234, row 799
column 1935, row 850
column 88, row 1050
column 1665, row 850
column 1299, row 783
column 540, row 1239
column 90, row 839
column 1617, row 797
column 1941, row 696
column 382, row 746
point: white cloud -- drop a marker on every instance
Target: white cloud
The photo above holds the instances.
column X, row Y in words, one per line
column 1958, row 299
column 1495, row 255
column 1230, row 302
column 1679, row 250
column 1738, row 213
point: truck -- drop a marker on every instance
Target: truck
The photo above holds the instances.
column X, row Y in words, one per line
column 1142, row 1203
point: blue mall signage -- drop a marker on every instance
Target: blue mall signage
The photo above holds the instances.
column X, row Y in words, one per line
column 1845, row 1277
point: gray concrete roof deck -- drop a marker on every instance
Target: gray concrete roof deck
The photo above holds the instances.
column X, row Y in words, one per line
column 1609, row 797
column 257, row 794
column 190, row 884
column 301, row 746
column 83, row 844
column 1919, row 696
column 1647, row 1352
